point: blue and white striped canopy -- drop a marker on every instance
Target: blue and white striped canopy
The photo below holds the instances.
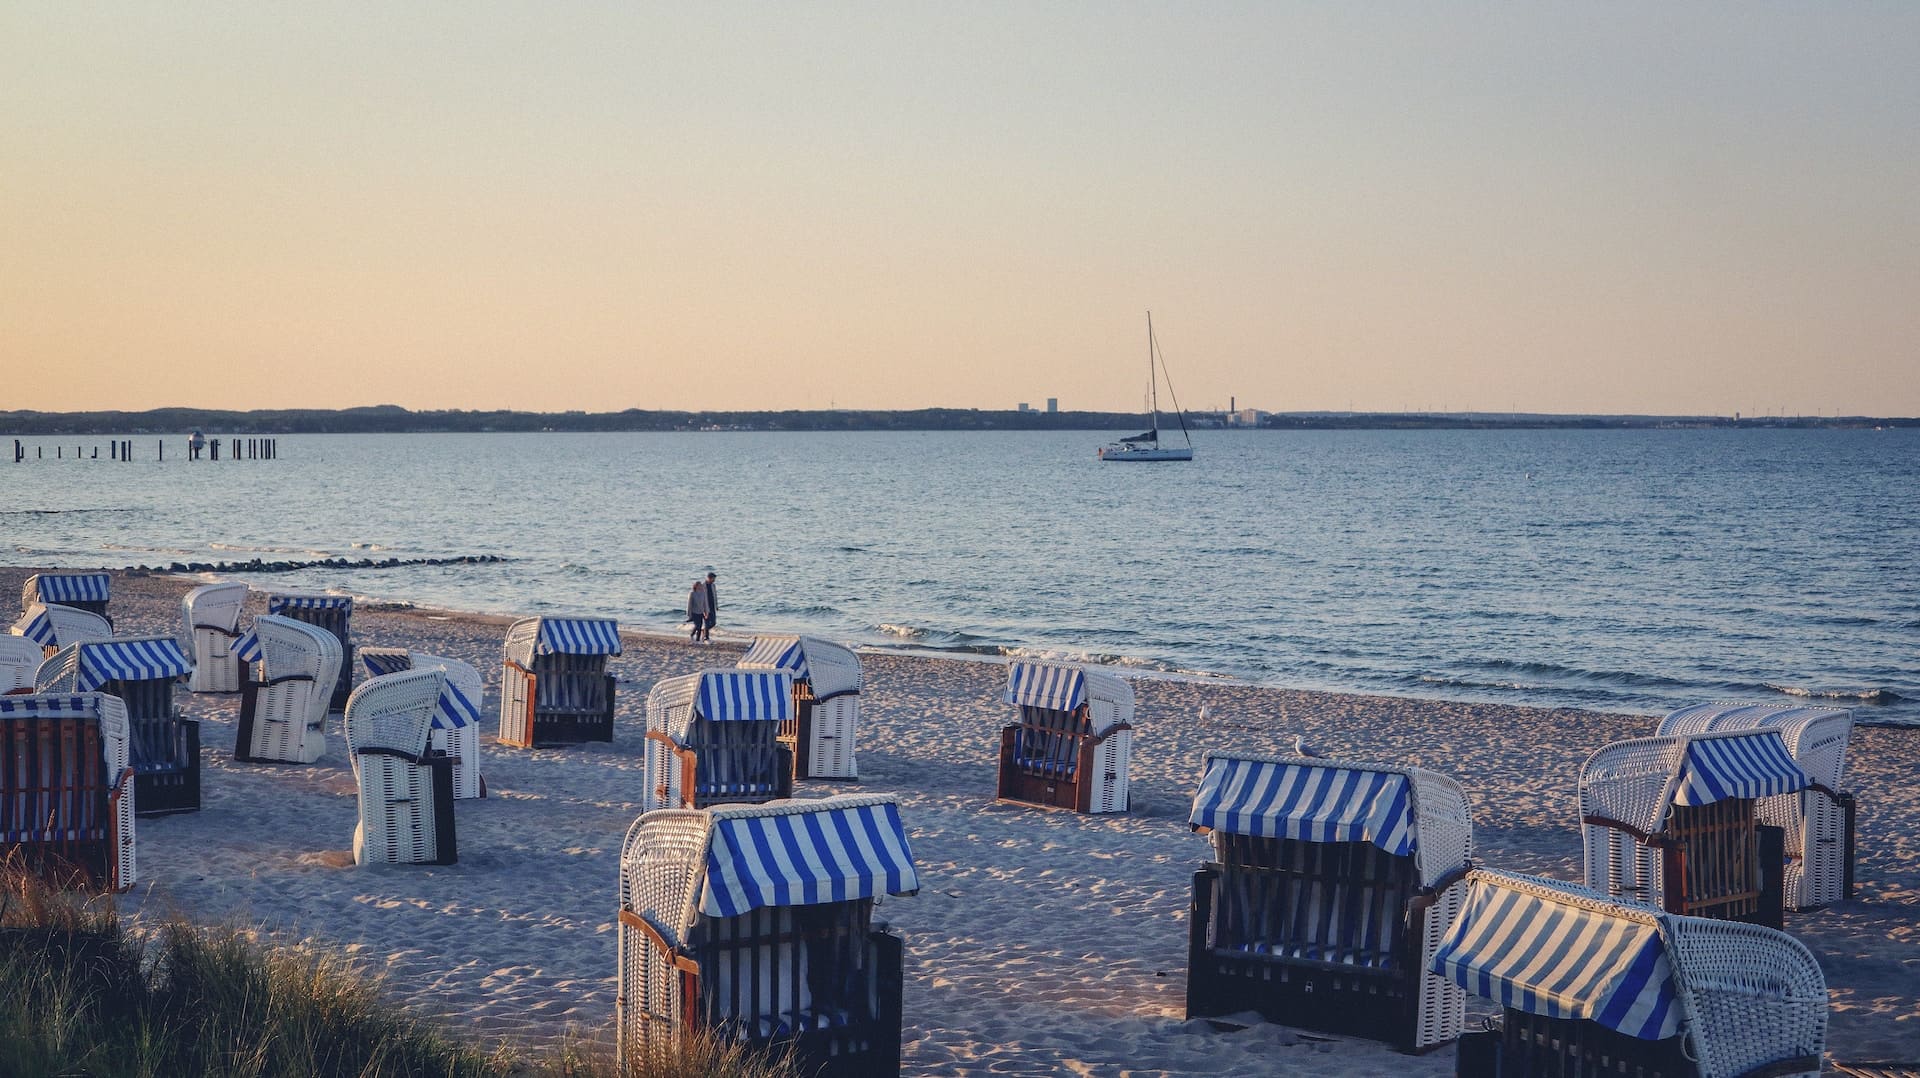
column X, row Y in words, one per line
column 1562, row 961
column 745, row 695
column 72, row 587
column 280, row 604
column 578, row 636
column 1048, row 685
column 52, row 704
column 246, row 647
column 144, row 659
column 36, row 625
column 1299, row 799
column 454, row 709
column 383, row 661
column 802, row 855
column 777, row 653
column 1752, row 763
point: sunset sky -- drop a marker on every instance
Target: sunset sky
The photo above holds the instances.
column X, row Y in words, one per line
column 1695, row 208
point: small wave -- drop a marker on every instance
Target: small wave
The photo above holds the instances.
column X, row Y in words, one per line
column 370, row 546
column 1865, row 696
column 245, row 548
column 905, row 632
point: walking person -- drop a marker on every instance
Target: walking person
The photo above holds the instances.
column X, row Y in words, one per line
column 697, row 610
column 713, row 610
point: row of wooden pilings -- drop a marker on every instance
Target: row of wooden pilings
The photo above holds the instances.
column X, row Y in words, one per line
column 237, row 449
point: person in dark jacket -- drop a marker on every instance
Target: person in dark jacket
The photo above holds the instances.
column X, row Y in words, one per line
column 713, row 610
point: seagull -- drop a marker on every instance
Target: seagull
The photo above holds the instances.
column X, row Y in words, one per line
column 1301, row 748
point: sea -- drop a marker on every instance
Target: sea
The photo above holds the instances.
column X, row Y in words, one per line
column 1616, row 570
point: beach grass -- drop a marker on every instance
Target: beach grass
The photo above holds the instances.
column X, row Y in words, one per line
column 82, row 994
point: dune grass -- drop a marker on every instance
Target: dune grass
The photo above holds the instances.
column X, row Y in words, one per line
column 81, row 995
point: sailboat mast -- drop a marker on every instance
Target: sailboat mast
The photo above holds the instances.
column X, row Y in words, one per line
column 1153, row 383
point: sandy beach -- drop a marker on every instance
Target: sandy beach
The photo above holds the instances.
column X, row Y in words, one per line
column 1041, row 942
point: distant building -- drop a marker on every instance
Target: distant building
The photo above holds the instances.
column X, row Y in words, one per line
column 1247, row 417
column 1053, row 405
column 1025, row 407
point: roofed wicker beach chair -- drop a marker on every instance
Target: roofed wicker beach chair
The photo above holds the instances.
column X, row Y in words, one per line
column 1818, row 821
column 66, row 788
column 334, row 613
column 82, row 591
column 755, row 924
column 554, row 685
column 1595, row 987
column 826, row 702
column 1331, row 886
column 456, row 720
column 1074, row 739
column 212, row 616
column 292, row 668
column 19, row 659
column 1670, row 822
column 713, row 738
column 54, row 627
column 142, row 672
column 406, row 787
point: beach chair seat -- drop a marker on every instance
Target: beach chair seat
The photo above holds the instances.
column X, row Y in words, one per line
column 20, row 658
column 826, row 702
column 1331, row 885
column 456, row 719
column 67, row 795
column 554, row 685
column 713, row 738
column 54, row 626
column 1817, row 822
column 284, row 698
column 406, row 787
column 141, row 671
column 332, row 613
column 1590, row 986
column 1073, row 743
column 751, row 924
column 81, row 591
column 1671, row 823
column 212, row 616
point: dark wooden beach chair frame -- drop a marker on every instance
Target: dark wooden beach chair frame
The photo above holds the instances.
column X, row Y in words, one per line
column 1356, row 986
column 1048, row 757
column 747, row 751
column 853, row 973
column 1718, row 861
column 34, row 793
column 164, row 746
column 1535, row 1046
column 569, row 700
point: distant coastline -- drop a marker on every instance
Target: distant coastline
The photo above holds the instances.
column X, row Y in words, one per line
column 390, row 419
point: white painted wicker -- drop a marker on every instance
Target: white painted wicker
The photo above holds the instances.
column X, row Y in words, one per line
column 19, row 658
column 388, row 722
column 462, row 745
column 290, row 717
column 71, row 625
column 1814, row 821
column 212, row 616
column 831, row 689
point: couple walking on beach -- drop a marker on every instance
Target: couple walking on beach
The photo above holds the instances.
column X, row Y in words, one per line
column 703, row 609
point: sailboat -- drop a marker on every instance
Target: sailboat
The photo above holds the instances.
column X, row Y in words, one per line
column 1147, row 446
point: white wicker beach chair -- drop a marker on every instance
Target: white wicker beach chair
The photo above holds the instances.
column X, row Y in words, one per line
column 1595, row 987
column 19, row 658
column 66, row 793
column 1331, row 886
column 141, row 671
column 826, row 702
column 1818, row 821
column 333, row 613
column 755, row 924
column 1073, row 742
column 456, row 721
column 406, row 788
column 1669, row 822
column 283, row 706
column 713, row 738
column 212, row 616
column 554, row 685
column 82, row 591
column 54, row 627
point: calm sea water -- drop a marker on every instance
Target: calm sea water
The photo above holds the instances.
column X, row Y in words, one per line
column 1617, row 570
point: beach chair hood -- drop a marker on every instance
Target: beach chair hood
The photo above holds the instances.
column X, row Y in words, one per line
column 281, row 602
column 54, row 625
column 719, row 696
column 460, row 694
column 1404, row 811
column 86, row 667
column 65, row 588
column 1816, row 737
column 214, row 606
column 529, row 637
column 1690, row 769
column 1065, row 687
column 831, row 670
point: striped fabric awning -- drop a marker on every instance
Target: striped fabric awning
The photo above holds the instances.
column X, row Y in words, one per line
column 36, row 625
column 383, row 661
column 1300, row 799
column 144, row 659
column 803, row 853
column 1752, row 763
column 777, row 653
column 247, row 647
column 72, row 587
column 280, row 604
column 745, row 695
column 454, row 709
column 1562, row 961
column 578, row 636
column 1048, row 685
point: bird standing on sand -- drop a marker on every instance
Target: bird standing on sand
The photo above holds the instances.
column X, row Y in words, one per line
column 1301, row 748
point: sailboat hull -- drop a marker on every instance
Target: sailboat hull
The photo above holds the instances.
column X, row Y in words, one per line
column 1127, row 452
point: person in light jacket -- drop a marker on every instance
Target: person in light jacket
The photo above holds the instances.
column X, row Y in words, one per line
column 697, row 610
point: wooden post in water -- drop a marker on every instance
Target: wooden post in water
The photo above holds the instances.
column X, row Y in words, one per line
column 160, row 448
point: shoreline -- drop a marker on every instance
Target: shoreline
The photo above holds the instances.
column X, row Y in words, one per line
column 1040, row 941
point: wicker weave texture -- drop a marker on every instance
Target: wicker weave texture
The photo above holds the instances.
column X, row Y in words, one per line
column 19, row 659
column 211, row 615
column 290, row 718
column 387, row 725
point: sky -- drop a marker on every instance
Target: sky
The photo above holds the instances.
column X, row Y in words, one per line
column 1619, row 207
